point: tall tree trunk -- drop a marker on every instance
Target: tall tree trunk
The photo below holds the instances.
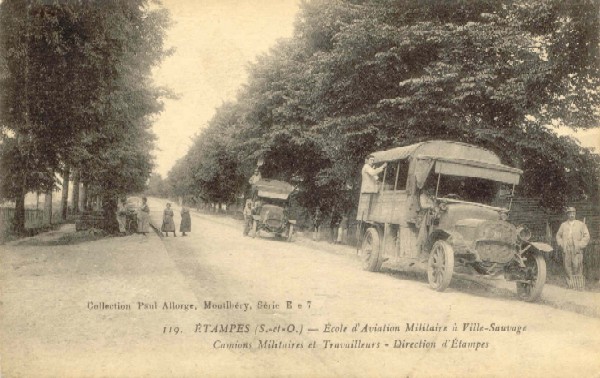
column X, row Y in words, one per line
column 65, row 194
column 48, row 206
column 109, row 207
column 84, row 197
column 75, row 201
column 19, row 219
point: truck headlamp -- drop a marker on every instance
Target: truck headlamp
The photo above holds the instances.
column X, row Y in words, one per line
column 523, row 233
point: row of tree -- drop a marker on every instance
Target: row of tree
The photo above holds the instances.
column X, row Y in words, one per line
column 365, row 75
column 76, row 96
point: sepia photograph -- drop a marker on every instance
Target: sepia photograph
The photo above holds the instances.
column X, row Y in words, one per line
column 299, row 188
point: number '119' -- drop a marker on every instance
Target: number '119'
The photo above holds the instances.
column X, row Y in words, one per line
column 173, row 330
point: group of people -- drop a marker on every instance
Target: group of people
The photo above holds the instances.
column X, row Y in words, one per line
column 125, row 218
column 143, row 219
column 338, row 223
column 168, row 224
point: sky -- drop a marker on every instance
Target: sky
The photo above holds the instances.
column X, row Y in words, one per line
column 214, row 41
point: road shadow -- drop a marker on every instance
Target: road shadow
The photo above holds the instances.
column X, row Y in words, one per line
column 63, row 238
column 461, row 282
column 481, row 287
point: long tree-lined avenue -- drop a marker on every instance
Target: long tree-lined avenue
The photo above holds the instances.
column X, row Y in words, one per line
column 432, row 130
column 215, row 303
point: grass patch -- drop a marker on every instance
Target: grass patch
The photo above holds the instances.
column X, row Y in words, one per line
column 8, row 234
column 68, row 238
column 81, row 236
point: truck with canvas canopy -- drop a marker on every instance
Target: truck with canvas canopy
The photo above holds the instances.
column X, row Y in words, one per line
column 272, row 214
column 436, row 204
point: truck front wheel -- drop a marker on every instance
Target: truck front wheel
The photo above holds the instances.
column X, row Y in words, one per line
column 440, row 266
column 530, row 289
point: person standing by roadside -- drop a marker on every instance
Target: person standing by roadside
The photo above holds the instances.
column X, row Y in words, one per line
column 573, row 236
column 257, row 207
column 247, row 217
column 168, row 225
column 334, row 223
column 317, row 218
column 144, row 217
column 121, row 216
column 186, row 221
column 342, row 230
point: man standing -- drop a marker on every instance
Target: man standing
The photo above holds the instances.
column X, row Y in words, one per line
column 316, row 223
column 369, row 186
column 573, row 236
column 256, row 177
column 370, row 179
column 248, row 217
column 334, row 224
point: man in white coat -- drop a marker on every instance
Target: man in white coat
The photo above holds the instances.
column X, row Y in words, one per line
column 370, row 176
column 369, row 186
column 573, row 236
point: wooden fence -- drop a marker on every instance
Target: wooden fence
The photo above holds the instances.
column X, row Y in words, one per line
column 33, row 218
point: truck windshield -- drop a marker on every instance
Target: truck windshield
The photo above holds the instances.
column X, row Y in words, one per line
column 470, row 189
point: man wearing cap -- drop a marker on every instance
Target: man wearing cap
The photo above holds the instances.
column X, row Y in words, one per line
column 573, row 236
column 256, row 177
column 369, row 186
column 370, row 176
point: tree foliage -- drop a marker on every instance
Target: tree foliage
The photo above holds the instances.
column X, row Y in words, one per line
column 77, row 90
column 157, row 186
column 360, row 76
column 210, row 170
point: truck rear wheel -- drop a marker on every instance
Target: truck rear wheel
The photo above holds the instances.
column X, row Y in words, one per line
column 370, row 251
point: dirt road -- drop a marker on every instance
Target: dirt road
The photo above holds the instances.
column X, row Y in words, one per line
column 216, row 303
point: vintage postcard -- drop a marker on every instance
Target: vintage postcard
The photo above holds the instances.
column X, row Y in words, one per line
column 338, row 189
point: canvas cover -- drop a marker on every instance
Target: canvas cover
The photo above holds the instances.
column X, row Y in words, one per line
column 449, row 158
column 438, row 149
column 395, row 153
column 467, row 168
column 273, row 189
